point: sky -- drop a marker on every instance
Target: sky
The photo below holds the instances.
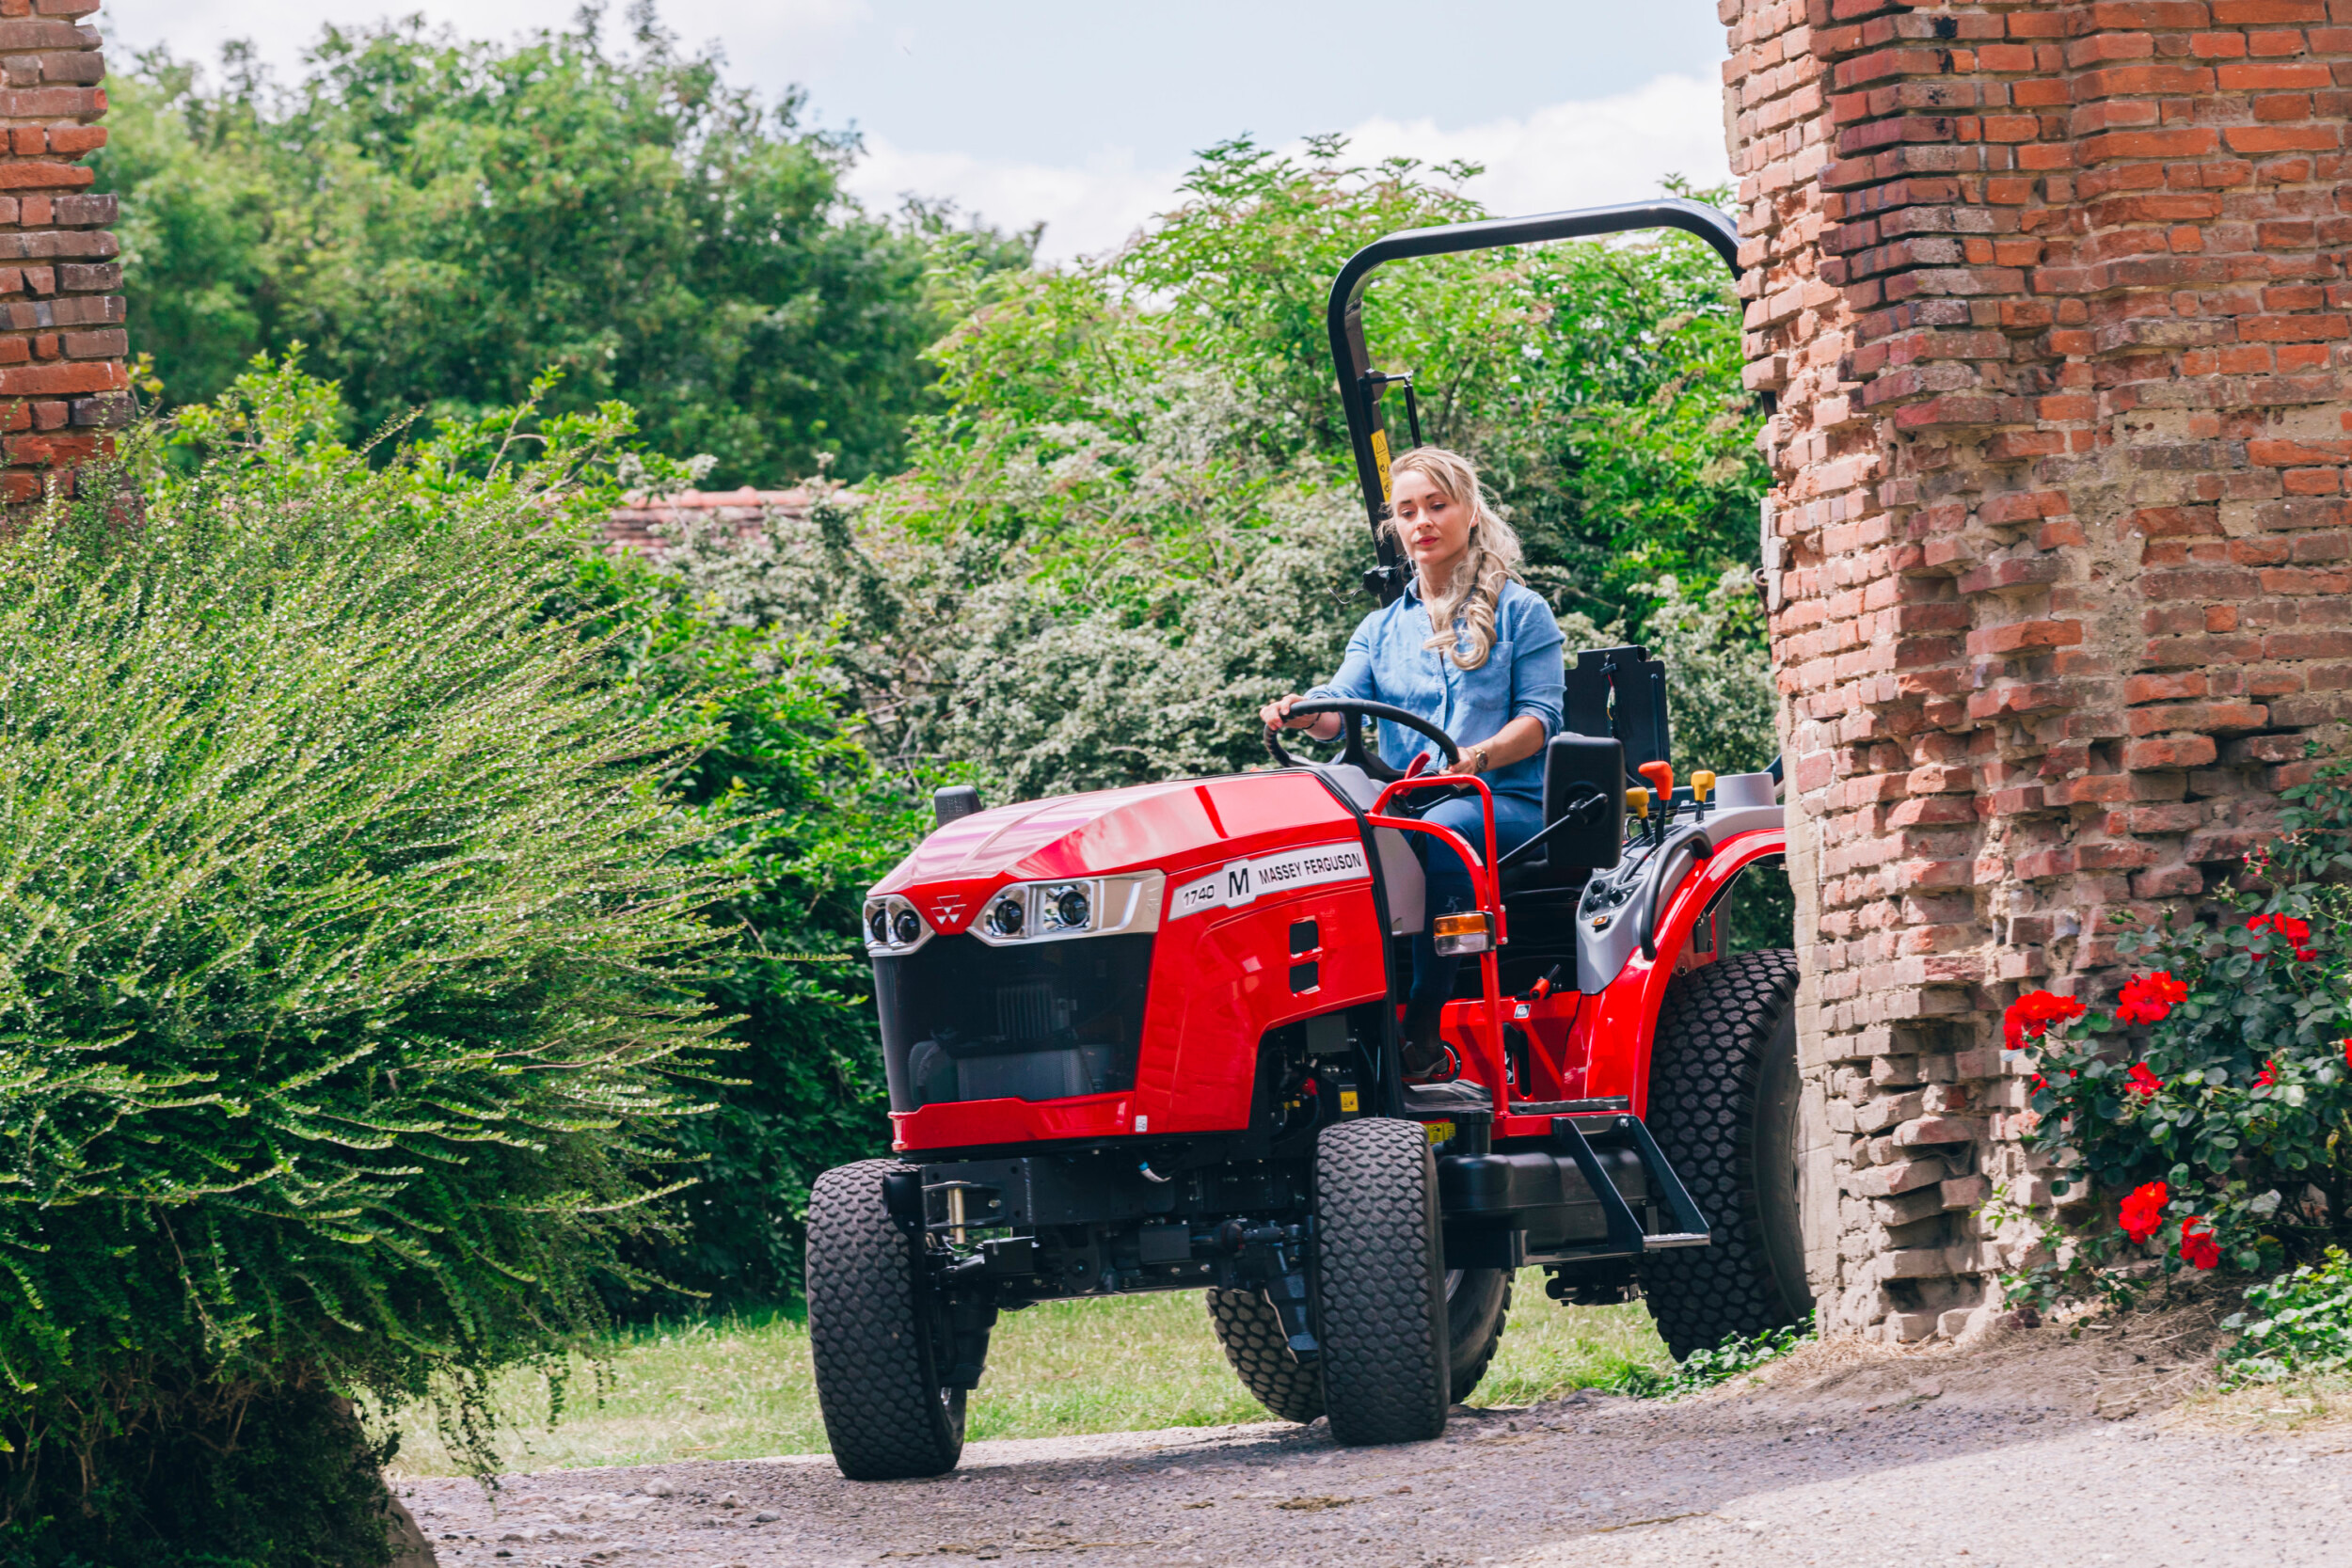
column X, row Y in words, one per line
column 1083, row 116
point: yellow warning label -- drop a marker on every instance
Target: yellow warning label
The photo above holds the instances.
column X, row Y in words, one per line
column 1380, row 459
column 1348, row 1102
column 1440, row 1132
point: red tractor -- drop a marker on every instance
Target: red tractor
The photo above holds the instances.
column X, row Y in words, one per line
column 1148, row 1039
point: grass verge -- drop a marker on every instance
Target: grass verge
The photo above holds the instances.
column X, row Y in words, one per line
column 740, row 1387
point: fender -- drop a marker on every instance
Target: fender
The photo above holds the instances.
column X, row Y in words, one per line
column 1625, row 1024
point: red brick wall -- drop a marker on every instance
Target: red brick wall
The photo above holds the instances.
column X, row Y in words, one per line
column 2054, row 301
column 61, row 334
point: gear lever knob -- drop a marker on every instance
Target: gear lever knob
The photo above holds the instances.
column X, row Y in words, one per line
column 1661, row 776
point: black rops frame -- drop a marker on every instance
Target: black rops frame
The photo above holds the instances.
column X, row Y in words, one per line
column 1360, row 385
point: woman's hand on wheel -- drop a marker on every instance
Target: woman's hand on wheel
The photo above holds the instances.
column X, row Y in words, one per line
column 1277, row 714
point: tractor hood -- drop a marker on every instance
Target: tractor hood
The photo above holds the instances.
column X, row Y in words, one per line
column 1174, row 828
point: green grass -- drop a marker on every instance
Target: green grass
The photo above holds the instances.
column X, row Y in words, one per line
column 739, row 1387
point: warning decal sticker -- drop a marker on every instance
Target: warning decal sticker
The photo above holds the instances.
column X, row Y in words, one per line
column 1239, row 883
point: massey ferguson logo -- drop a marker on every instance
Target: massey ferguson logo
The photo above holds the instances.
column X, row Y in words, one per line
column 1241, row 882
column 946, row 909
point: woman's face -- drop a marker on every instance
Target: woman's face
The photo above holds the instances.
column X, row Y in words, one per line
column 1434, row 526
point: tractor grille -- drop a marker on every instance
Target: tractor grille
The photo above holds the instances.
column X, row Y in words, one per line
column 964, row 1020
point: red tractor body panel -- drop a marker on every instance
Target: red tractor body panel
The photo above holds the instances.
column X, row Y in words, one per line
column 1220, row 974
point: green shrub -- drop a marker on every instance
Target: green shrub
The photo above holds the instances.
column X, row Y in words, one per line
column 2297, row 1325
column 345, row 925
column 1705, row 1368
column 803, row 822
column 2205, row 1118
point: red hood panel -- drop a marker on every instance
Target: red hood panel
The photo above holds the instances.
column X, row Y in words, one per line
column 1163, row 825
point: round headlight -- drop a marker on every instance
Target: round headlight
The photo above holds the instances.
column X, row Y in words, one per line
column 1070, row 906
column 878, row 924
column 906, row 928
column 1004, row 917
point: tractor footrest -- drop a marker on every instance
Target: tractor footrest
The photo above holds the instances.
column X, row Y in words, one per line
column 1627, row 1237
column 1678, row 1238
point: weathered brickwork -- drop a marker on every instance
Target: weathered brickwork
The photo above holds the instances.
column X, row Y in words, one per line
column 2053, row 302
column 62, row 385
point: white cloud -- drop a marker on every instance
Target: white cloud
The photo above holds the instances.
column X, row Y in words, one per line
column 1578, row 154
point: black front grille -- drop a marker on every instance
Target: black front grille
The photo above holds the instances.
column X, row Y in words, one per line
column 964, row 1020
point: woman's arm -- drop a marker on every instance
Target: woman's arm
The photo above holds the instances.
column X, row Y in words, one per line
column 1353, row 680
column 1520, row 738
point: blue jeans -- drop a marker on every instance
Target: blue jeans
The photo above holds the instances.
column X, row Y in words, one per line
column 1516, row 821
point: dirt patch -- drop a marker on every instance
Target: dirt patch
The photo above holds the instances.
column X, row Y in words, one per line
column 2034, row 1447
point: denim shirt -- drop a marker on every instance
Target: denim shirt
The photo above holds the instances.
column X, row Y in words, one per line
column 1525, row 673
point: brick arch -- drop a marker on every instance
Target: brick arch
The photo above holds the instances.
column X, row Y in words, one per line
column 2053, row 300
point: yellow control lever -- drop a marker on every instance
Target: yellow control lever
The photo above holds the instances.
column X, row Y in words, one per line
column 1702, row 784
column 1637, row 802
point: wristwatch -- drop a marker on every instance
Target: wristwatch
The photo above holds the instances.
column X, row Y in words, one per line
column 1479, row 752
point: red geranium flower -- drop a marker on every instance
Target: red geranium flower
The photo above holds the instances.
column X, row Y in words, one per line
column 2031, row 1014
column 2139, row 1081
column 2198, row 1245
column 2268, row 1075
column 2297, row 932
column 2347, row 1043
column 2144, row 1210
column 2149, row 998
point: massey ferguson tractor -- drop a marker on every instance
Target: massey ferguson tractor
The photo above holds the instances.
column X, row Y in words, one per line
column 1148, row 1039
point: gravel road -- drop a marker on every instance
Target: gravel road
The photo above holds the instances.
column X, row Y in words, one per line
column 2041, row 1454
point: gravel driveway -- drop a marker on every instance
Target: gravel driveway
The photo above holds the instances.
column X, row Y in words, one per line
column 2036, row 1452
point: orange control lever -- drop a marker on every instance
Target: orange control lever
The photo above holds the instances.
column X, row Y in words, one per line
column 1661, row 776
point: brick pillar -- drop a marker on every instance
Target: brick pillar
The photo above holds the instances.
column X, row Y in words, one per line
column 2053, row 299
column 61, row 336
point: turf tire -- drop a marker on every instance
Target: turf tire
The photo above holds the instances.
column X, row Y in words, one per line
column 887, row 1413
column 1380, row 1283
column 1723, row 1106
column 1477, row 1302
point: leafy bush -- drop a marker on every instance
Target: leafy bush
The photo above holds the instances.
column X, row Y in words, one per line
column 802, row 822
column 2212, row 1106
column 2296, row 1325
column 345, row 945
column 440, row 220
column 1704, row 1369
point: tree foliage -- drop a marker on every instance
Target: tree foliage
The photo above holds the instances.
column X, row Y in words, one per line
column 347, row 924
column 441, row 221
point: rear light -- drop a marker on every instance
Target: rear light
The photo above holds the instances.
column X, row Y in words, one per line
column 1454, row 935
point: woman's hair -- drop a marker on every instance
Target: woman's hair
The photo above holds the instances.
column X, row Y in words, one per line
column 1492, row 558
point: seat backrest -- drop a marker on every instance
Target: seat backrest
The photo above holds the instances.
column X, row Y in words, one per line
column 1572, row 765
column 1621, row 692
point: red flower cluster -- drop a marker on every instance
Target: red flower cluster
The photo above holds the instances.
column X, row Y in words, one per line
column 2139, row 1081
column 2198, row 1245
column 2144, row 1210
column 2031, row 1014
column 2149, row 998
column 2297, row 932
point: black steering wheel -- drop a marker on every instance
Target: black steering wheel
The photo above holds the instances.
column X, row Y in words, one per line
column 1352, row 750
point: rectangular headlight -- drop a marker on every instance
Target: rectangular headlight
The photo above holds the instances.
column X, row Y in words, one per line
column 1070, row 906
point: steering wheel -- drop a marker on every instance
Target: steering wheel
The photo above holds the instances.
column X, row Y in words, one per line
column 1352, row 751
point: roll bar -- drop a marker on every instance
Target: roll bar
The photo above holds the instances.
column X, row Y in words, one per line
column 1360, row 385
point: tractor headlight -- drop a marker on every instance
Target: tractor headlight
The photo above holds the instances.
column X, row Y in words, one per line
column 1066, row 907
column 1087, row 907
column 893, row 926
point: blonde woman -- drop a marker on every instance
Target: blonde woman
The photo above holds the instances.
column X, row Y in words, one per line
column 1476, row 653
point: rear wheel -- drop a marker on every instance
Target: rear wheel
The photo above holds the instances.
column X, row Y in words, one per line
column 1380, row 1281
column 1723, row 1106
column 1476, row 1302
column 875, row 1341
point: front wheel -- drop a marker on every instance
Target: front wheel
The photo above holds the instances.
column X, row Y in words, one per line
column 1477, row 1301
column 1388, row 1375
column 1723, row 1106
column 875, row 1338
